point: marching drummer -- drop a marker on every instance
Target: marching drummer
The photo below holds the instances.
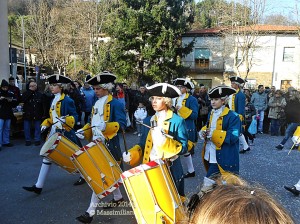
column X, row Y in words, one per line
column 187, row 108
column 62, row 118
column 168, row 136
column 105, row 112
column 221, row 135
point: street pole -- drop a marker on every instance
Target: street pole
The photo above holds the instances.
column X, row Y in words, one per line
column 24, row 58
column 74, row 60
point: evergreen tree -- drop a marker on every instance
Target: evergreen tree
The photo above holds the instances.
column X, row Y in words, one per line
column 147, row 38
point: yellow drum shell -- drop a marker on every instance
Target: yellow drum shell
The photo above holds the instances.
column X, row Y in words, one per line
column 58, row 149
column 153, row 195
column 98, row 167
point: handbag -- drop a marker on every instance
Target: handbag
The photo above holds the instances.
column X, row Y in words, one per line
column 128, row 123
column 204, row 110
column 253, row 126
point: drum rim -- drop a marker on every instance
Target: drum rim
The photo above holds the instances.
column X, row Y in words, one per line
column 50, row 142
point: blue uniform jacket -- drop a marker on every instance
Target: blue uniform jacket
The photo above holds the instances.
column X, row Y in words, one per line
column 177, row 129
column 240, row 103
column 117, row 114
column 228, row 153
column 192, row 104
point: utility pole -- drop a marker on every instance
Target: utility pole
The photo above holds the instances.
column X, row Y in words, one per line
column 24, row 58
column 4, row 53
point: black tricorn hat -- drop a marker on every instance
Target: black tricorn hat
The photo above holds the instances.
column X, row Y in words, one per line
column 221, row 91
column 184, row 82
column 88, row 77
column 163, row 89
column 237, row 79
column 56, row 78
column 102, row 78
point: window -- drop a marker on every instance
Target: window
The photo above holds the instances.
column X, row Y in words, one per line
column 288, row 53
column 205, row 82
column 285, row 84
column 202, row 57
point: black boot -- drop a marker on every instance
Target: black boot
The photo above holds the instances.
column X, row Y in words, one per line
column 79, row 182
column 85, row 218
column 33, row 189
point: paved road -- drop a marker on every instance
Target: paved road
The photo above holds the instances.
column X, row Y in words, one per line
column 61, row 202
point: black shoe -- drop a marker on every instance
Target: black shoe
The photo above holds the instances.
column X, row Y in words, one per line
column 293, row 190
column 113, row 203
column 280, row 147
column 248, row 149
column 295, row 147
column 28, row 143
column 260, row 132
column 8, row 145
column 79, row 182
column 36, row 143
column 187, row 175
column 33, row 189
column 243, row 151
column 85, row 218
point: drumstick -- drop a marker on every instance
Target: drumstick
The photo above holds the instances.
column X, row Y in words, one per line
column 125, row 145
column 165, row 134
column 77, row 132
column 64, row 122
column 293, row 145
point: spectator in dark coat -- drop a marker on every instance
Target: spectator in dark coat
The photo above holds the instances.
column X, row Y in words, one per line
column 75, row 95
column 292, row 113
column 7, row 102
column 15, row 90
column 33, row 113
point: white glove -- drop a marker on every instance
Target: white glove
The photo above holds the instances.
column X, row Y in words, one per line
column 79, row 133
column 102, row 126
column 157, row 136
column 296, row 140
column 126, row 157
column 201, row 135
column 43, row 128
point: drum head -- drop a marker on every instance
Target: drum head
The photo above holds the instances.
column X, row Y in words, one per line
column 49, row 143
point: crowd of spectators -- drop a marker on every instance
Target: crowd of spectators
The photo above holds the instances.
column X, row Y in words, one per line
column 276, row 112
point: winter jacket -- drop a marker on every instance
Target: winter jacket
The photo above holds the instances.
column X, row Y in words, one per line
column 33, row 105
column 249, row 112
column 292, row 111
column 276, row 104
column 89, row 98
column 260, row 101
column 6, row 111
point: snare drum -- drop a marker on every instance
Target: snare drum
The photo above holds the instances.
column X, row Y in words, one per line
column 98, row 167
column 59, row 149
column 153, row 195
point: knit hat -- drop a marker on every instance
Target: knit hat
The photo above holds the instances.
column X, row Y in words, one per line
column 4, row 83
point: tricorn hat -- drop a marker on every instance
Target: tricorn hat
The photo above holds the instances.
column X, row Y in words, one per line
column 102, row 78
column 88, row 77
column 237, row 79
column 57, row 78
column 163, row 89
column 184, row 82
column 221, row 91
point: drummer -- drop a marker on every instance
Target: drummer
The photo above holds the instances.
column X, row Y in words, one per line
column 62, row 118
column 221, row 135
column 105, row 111
column 155, row 144
column 187, row 107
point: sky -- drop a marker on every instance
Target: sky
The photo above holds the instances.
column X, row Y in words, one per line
column 284, row 7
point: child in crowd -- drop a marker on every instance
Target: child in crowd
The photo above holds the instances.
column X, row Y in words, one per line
column 140, row 114
column 249, row 113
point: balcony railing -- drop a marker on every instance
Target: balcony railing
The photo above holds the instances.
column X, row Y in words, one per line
column 204, row 64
